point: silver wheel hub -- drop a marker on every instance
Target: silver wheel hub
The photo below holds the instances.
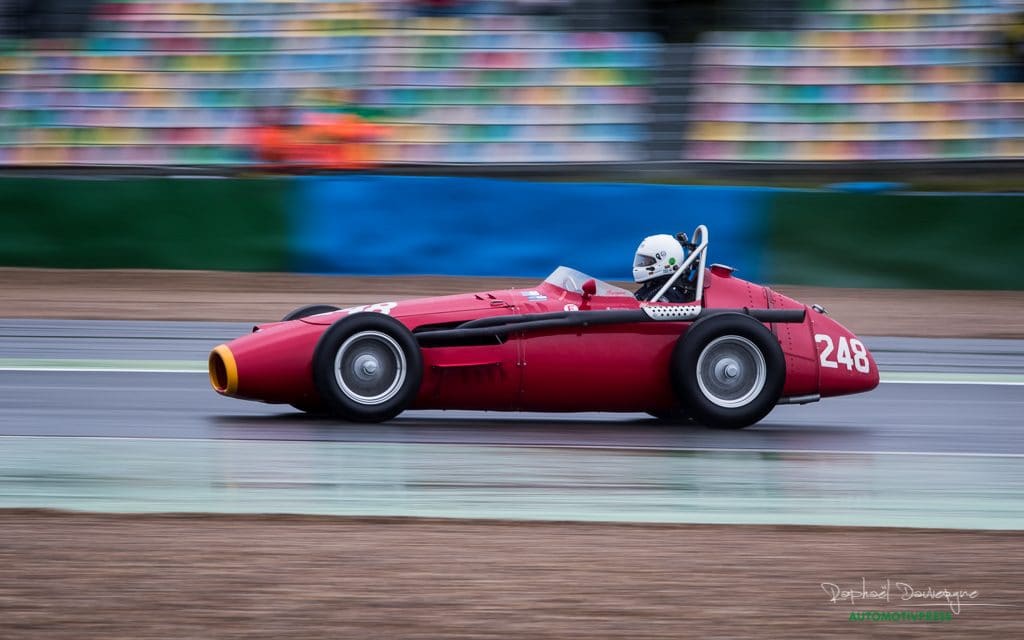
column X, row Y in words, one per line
column 366, row 366
column 731, row 371
column 370, row 367
column 726, row 369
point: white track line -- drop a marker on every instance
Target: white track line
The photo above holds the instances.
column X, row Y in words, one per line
column 592, row 447
column 988, row 383
column 99, row 370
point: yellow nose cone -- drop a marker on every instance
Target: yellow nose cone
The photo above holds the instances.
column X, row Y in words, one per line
column 223, row 371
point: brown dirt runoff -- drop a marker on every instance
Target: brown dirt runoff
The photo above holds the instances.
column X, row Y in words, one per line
column 83, row 576
column 252, row 297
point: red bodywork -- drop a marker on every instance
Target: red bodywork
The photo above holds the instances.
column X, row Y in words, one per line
column 598, row 368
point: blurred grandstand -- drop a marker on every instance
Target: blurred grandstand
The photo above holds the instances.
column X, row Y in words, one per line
column 341, row 84
column 860, row 80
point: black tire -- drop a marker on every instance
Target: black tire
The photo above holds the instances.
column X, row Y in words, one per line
column 347, row 360
column 728, row 371
column 308, row 310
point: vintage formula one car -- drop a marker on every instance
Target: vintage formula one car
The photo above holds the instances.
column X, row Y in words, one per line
column 723, row 358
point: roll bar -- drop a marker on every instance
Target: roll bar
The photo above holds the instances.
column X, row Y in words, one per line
column 699, row 253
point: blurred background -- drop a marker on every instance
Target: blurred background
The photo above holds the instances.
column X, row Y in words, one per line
column 865, row 155
column 404, row 110
column 339, row 84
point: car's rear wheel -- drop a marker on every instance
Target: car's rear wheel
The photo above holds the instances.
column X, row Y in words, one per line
column 308, row 406
column 728, row 371
column 367, row 367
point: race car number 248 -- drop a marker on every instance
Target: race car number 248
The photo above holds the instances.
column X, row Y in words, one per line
column 380, row 307
column 849, row 353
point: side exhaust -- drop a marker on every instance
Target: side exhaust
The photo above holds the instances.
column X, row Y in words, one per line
column 223, row 371
column 805, row 399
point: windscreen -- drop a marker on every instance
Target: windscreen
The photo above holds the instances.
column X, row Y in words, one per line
column 572, row 280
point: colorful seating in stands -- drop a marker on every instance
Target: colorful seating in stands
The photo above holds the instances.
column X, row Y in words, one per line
column 183, row 83
column 861, row 80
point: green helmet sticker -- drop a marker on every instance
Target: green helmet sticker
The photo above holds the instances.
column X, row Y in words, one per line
column 671, row 261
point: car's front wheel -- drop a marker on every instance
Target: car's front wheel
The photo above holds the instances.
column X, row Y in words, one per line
column 367, row 367
column 728, row 371
column 308, row 310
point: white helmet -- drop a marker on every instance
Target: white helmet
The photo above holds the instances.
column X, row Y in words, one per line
column 657, row 256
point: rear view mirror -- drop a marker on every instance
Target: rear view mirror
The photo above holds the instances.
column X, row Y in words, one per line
column 589, row 287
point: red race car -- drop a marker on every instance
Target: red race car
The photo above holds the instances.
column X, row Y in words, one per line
column 724, row 356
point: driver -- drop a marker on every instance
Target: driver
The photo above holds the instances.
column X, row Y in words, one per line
column 657, row 258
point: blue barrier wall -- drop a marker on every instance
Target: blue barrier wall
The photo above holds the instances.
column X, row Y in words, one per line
column 371, row 224
column 470, row 226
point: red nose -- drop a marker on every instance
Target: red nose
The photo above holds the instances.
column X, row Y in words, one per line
column 844, row 363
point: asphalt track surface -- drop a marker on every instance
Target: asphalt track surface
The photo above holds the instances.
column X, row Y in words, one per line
column 921, row 418
column 93, row 412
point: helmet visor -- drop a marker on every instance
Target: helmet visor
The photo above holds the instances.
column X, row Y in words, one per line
column 643, row 261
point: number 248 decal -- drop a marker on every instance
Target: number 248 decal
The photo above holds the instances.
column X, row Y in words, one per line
column 380, row 307
column 850, row 354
